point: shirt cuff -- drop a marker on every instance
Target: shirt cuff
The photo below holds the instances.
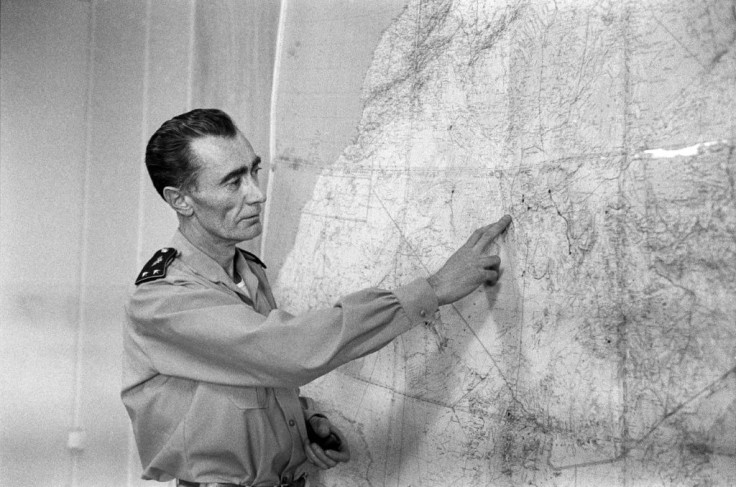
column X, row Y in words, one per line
column 419, row 301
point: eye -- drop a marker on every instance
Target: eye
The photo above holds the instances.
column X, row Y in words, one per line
column 233, row 184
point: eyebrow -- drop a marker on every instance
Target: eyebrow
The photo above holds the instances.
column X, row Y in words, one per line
column 236, row 173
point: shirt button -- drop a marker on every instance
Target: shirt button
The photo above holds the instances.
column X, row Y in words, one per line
column 423, row 313
column 292, row 422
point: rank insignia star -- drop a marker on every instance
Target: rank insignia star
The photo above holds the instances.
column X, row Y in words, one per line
column 156, row 267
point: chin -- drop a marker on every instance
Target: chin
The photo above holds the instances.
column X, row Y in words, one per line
column 251, row 233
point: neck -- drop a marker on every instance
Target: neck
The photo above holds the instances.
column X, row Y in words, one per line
column 221, row 251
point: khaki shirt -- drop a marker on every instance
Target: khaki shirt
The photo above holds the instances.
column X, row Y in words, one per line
column 211, row 374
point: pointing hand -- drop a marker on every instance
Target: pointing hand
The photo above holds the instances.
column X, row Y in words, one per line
column 469, row 266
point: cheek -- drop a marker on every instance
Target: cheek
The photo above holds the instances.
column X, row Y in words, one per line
column 222, row 208
column 231, row 210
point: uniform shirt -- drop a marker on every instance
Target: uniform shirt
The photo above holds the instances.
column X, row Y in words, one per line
column 211, row 374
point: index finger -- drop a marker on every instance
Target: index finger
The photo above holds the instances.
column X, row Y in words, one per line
column 493, row 230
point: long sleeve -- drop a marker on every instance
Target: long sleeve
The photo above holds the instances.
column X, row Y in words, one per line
column 198, row 332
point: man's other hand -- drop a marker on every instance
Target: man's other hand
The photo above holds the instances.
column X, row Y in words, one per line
column 326, row 459
column 470, row 267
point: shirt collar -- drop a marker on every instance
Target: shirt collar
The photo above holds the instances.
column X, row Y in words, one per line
column 200, row 262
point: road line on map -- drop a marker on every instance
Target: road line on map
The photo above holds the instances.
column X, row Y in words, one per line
column 365, row 389
column 433, row 327
column 401, row 393
column 625, row 452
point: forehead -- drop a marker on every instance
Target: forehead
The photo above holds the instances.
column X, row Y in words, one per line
column 219, row 155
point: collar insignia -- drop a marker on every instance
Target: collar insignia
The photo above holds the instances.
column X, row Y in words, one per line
column 252, row 257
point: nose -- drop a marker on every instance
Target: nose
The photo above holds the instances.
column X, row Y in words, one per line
column 253, row 193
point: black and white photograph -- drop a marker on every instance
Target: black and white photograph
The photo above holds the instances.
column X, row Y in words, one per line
column 368, row 243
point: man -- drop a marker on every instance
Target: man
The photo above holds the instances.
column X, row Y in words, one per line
column 212, row 367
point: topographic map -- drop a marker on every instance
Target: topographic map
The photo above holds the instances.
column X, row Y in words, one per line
column 607, row 353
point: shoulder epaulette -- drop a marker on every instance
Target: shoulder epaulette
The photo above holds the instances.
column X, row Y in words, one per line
column 252, row 258
column 156, row 267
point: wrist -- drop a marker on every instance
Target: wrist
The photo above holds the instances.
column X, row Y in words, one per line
column 435, row 284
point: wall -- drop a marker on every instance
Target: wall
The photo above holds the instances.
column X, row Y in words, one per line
column 84, row 84
column 42, row 149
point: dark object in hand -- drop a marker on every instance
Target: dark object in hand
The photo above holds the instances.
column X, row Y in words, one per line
column 330, row 442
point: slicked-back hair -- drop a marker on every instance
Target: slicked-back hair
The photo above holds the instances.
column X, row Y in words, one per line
column 170, row 159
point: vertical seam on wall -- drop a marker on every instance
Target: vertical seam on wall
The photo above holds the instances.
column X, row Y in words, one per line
column 144, row 130
column 83, row 237
column 272, row 124
column 190, row 60
column 145, row 95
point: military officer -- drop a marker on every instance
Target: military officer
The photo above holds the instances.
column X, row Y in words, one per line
column 212, row 368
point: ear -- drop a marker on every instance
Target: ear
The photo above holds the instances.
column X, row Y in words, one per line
column 178, row 200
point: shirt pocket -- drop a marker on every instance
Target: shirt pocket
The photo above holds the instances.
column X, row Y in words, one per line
column 248, row 397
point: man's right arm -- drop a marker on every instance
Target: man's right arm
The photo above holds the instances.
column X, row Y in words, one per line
column 199, row 332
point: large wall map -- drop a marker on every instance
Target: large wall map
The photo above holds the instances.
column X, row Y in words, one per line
column 607, row 355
